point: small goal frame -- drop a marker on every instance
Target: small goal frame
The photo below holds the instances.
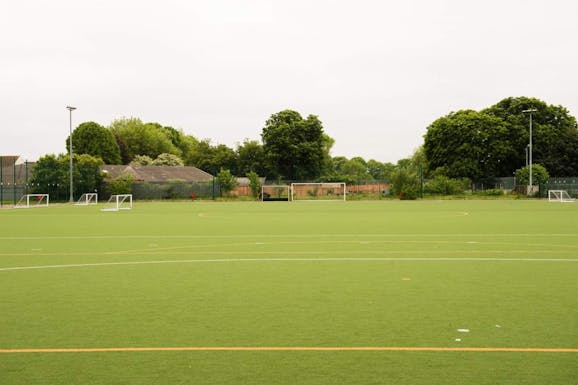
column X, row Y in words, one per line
column 118, row 202
column 87, row 199
column 560, row 196
column 38, row 200
column 327, row 191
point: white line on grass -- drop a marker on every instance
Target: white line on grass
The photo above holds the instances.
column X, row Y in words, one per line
column 158, row 262
column 259, row 236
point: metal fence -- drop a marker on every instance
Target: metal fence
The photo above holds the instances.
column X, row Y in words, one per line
column 175, row 190
column 570, row 184
column 13, row 182
column 503, row 183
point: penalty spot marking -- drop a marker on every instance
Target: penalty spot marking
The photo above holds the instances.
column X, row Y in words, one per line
column 292, row 349
column 159, row 262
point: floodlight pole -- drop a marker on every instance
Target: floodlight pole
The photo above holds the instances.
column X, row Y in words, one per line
column 70, row 109
column 529, row 111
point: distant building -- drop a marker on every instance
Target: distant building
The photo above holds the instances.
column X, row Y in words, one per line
column 157, row 173
column 14, row 175
column 164, row 182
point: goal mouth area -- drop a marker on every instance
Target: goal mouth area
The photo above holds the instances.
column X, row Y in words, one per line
column 87, row 199
column 118, row 202
column 560, row 196
column 33, row 200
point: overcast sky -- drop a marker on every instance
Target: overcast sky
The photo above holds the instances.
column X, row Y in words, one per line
column 377, row 73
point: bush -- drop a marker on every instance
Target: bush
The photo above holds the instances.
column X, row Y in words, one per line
column 122, row 184
column 226, row 180
column 254, row 183
column 442, row 185
column 405, row 184
column 493, row 192
column 539, row 175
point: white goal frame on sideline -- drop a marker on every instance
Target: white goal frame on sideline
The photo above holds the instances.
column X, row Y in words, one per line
column 325, row 187
column 560, row 196
column 42, row 200
column 118, row 202
column 87, row 199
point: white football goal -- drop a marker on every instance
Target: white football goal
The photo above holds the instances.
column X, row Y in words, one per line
column 318, row 191
column 87, row 199
column 118, row 202
column 559, row 196
column 33, row 200
column 275, row 193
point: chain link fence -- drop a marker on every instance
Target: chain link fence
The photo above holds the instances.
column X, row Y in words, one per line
column 175, row 190
column 570, row 184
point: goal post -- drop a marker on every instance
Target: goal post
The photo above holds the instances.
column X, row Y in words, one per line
column 319, row 191
column 87, row 199
column 275, row 193
column 118, row 202
column 559, row 196
column 33, row 200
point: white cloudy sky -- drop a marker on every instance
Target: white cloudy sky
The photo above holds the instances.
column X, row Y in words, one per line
column 377, row 73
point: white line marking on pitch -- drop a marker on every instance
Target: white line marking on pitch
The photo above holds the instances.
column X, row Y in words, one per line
column 158, row 262
column 259, row 236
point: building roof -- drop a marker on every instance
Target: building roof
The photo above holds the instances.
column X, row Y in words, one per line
column 10, row 160
column 157, row 173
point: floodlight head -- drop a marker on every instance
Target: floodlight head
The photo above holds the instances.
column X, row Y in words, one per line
column 530, row 110
column 70, row 108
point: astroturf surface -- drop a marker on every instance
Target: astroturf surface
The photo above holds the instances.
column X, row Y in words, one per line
column 295, row 277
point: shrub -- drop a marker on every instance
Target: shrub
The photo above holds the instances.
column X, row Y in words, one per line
column 539, row 175
column 405, row 184
column 254, row 183
column 493, row 192
column 226, row 181
column 122, row 184
column 442, row 185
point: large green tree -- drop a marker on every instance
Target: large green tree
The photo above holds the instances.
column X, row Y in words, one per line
column 251, row 157
column 470, row 144
column 380, row 170
column 554, row 137
column 138, row 138
column 211, row 158
column 93, row 139
column 294, row 146
column 48, row 177
column 51, row 174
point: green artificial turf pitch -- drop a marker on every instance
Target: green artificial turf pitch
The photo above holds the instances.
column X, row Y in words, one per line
column 307, row 275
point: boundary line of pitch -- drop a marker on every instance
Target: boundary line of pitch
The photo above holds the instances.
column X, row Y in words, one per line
column 293, row 349
column 157, row 262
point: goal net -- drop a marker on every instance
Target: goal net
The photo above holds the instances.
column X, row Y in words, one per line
column 87, row 199
column 318, row 191
column 118, row 202
column 275, row 193
column 33, row 200
column 559, row 196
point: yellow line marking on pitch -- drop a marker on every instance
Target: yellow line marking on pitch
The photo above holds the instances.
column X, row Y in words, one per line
column 292, row 348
